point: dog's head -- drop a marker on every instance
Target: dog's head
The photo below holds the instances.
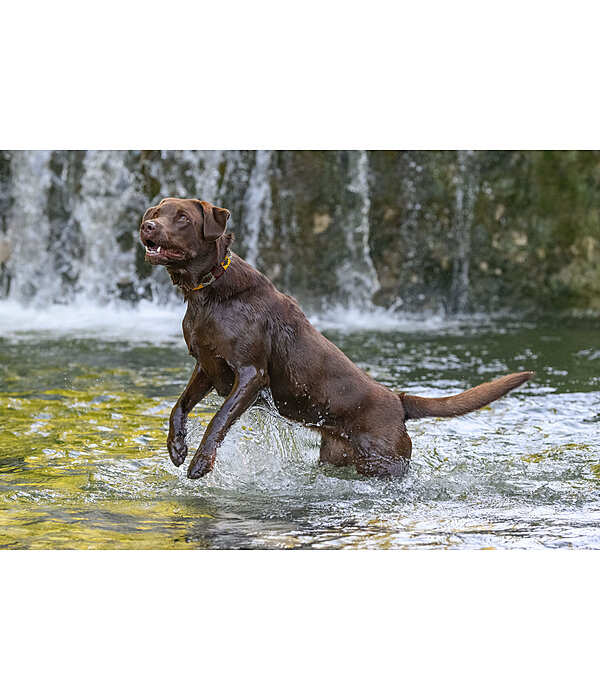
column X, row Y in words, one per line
column 179, row 231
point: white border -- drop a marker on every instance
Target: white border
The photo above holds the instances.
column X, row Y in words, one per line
column 302, row 75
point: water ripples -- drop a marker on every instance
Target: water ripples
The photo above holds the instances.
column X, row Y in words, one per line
column 83, row 460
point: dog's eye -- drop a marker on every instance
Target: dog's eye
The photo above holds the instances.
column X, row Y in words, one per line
column 182, row 217
column 155, row 215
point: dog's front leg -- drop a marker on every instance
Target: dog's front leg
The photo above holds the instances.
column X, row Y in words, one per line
column 197, row 388
column 248, row 382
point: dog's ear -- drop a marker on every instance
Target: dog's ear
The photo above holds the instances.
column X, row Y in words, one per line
column 215, row 221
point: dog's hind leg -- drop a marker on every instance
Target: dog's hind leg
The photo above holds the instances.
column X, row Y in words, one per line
column 336, row 450
column 383, row 467
column 367, row 455
column 384, row 456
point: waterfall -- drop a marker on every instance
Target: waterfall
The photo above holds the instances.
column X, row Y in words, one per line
column 107, row 191
column 357, row 277
column 257, row 207
column 466, row 192
column 26, row 238
column 333, row 228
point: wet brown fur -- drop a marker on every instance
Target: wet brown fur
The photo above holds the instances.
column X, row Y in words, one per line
column 246, row 337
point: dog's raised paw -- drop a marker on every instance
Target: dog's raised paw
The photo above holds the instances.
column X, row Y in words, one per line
column 200, row 465
column 177, row 451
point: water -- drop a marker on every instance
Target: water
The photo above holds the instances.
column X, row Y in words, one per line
column 84, row 405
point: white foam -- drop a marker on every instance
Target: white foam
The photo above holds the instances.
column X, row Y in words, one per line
column 381, row 319
column 144, row 322
column 149, row 321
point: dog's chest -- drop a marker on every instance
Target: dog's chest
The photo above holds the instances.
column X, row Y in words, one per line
column 203, row 344
column 218, row 371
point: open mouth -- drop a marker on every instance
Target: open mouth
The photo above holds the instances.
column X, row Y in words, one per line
column 157, row 254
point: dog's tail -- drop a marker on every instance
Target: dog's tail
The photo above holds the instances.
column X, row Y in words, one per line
column 458, row 405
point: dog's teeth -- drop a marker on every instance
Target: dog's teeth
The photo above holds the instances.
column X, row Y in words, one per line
column 158, row 249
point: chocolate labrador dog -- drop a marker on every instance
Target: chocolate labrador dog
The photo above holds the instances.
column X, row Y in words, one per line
column 247, row 337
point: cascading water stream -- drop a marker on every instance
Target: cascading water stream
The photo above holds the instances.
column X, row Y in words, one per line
column 26, row 261
column 357, row 277
column 466, row 193
column 257, row 207
column 107, row 190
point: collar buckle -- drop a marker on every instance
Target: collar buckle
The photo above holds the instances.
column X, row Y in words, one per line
column 215, row 273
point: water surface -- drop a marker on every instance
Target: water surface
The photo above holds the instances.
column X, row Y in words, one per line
column 83, row 460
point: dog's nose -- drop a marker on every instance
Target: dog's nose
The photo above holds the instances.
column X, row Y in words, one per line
column 148, row 226
column 148, row 230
